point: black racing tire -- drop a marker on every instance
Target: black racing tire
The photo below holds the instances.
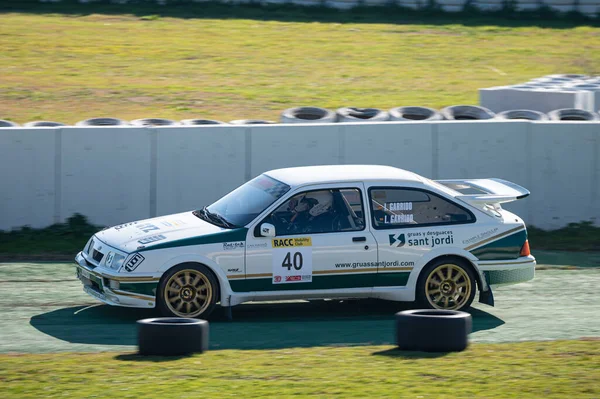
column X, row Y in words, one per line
column 172, row 336
column 5, row 123
column 466, row 112
column 153, row 122
column 43, row 124
column 525, row 114
column 188, row 290
column 572, row 114
column 201, row 122
column 433, row 330
column 308, row 115
column 251, row 122
column 435, row 275
column 415, row 114
column 102, row 122
column 354, row 114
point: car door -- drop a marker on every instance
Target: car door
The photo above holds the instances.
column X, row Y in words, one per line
column 328, row 249
column 408, row 223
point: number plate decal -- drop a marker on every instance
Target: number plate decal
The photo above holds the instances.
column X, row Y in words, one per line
column 292, row 260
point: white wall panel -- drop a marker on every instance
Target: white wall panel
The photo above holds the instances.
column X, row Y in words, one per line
column 565, row 173
column 405, row 145
column 279, row 146
column 106, row 173
column 483, row 149
column 117, row 174
column 27, row 165
column 198, row 165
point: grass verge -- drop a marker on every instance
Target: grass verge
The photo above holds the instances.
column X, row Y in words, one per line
column 556, row 369
column 68, row 62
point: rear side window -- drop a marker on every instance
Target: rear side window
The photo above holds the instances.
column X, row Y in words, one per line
column 403, row 207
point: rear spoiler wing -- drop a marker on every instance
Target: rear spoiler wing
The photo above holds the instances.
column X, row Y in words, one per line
column 487, row 191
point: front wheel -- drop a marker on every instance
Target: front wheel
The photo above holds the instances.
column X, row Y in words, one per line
column 447, row 285
column 188, row 290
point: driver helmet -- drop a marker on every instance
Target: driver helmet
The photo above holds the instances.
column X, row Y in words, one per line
column 316, row 203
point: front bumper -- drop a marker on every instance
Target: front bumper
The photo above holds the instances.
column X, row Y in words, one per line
column 136, row 292
column 509, row 271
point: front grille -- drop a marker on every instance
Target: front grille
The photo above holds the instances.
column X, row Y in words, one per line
column 97, row 256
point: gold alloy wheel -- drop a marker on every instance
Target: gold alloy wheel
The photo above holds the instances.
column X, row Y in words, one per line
column 188, row 293
column 448, row 287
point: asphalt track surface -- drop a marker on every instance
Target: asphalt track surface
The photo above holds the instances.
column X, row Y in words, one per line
column 43, row 309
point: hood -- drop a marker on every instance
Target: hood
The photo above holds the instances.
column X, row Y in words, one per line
column 145, row 234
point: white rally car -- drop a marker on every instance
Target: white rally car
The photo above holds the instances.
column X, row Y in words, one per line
column 318, row 232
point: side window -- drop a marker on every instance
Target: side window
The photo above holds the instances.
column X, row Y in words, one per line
column 395, row 207
column 319, row 211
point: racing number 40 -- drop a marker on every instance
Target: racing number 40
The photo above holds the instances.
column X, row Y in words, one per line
column 295, row 261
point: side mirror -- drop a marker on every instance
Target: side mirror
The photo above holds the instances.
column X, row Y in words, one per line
column 267, row 230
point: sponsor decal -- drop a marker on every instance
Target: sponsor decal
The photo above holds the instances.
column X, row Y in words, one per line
column 421, row 239
column 148, row 227
column 480, row 236
column 292, row 260
column 291, row 242
column 134, row 262
column 150, row 239
column 230, row 246
column 430, row 238
column 397, row 240
column 398, row 207
column 257, row 246
column 172, row 223
column 383, row 264
column 122, row 226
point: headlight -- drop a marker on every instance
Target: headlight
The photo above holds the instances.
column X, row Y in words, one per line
column 114, row 261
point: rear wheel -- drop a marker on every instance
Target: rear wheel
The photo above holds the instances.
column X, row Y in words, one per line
column 188, row 290
column 447, row 285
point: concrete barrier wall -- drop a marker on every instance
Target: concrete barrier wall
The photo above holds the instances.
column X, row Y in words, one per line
column 118, row 174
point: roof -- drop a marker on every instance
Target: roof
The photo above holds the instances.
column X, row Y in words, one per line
column 341, row 173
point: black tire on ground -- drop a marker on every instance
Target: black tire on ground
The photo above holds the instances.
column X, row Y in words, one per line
column 433, row 330
column 454, row 280
column 172, row 336
column 188, row 290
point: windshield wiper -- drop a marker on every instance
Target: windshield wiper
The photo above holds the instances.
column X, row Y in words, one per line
column 208, row 215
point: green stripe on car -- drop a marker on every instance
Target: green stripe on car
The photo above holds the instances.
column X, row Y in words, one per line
column 215, row 238
column 503, row 249
column 357, row 280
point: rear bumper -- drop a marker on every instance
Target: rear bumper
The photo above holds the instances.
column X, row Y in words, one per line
column 508, row 272
column 116, row 290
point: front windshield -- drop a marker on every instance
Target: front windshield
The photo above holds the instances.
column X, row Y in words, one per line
column 246, row 202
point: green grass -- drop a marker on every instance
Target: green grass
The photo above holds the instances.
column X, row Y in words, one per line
column 72, row 62
column 524, row 370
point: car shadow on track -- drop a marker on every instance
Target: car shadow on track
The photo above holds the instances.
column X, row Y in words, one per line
column 254, row 326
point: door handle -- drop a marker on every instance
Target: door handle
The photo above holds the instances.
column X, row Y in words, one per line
column 359, row 239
